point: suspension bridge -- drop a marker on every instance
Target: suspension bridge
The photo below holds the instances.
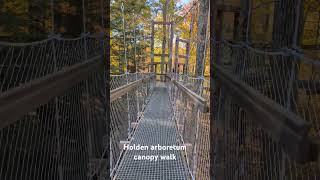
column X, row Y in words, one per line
column 62, row 116
column 58, row 120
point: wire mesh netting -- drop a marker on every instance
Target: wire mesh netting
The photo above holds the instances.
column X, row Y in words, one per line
column 58, row 139
column 66, row 137
column 155, row 128
column 192, row 124
column 169, row 118
column 243, row 146
column 126, row 110
column 21, row 63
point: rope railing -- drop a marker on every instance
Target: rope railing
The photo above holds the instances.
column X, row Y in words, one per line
column 64, row 133
column 271, row 134
column 192, row 123
column 198, row 85
column 117, row 81
column 53, row 122
column 21, row 63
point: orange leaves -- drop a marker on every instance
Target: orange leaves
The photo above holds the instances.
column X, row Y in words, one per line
column 62, row 29
column 66, row 8
column 18, row 7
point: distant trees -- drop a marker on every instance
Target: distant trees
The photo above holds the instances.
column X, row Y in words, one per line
column 29, row 20
column 137, row 15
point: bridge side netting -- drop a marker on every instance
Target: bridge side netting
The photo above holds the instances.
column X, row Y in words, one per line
column 243, row 145
column 66, row 137
column 126, row 111
column 192, row 124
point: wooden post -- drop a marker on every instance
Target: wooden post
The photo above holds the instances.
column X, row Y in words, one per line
column 171, row 44
column 176, row 57
column 186, row 68
column 236, row 26
column 188, row 44
column 178, row 71
column 164, row 36
column 155, row 66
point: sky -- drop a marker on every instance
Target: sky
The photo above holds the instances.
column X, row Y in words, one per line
column 182, row 2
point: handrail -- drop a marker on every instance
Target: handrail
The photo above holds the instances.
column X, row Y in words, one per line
column 18, row 101
column 196, row 99
column 120, row 91
column 285, row 127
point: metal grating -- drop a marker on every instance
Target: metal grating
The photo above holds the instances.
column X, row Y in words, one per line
column 156, row 127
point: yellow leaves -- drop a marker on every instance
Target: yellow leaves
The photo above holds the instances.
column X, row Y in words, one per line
column 66, row 8
column 19, row 7
column 23, row 29
column 48, row 23
column 97, row 28
column 62, row 29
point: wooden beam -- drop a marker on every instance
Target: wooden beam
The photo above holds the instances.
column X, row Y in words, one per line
column 184, row 40
column 311, row 47
column 19, row 101
column 285, row 127
column 183, row 56
column 120, row 91
column 161, row 54
column 155, row 63
column 197, row 100
column 162, row 23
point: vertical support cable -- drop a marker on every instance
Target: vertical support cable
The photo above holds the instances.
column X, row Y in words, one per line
column 128, row 106
column 52, row 16
column 126, row 71
column 296, row 25
column 292, row 77
column 56, row 101
column 83, row 18
column 124, row 37
column 102, row 13
column 170, row 45
column 318, row 29
column 248, row 21
column 136, row 64
column 90, row 151
column 152, row 47
column 135, row 45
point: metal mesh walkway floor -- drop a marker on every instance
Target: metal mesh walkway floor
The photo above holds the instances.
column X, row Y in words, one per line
column 156, row 127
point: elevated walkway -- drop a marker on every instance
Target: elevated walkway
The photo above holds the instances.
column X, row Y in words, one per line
column 156, row 127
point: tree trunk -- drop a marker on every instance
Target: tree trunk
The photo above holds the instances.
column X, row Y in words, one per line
column 202, row 25
column 164, row 14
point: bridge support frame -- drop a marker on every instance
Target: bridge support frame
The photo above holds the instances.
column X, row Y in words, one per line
column 185, row 56
column 163, row 54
